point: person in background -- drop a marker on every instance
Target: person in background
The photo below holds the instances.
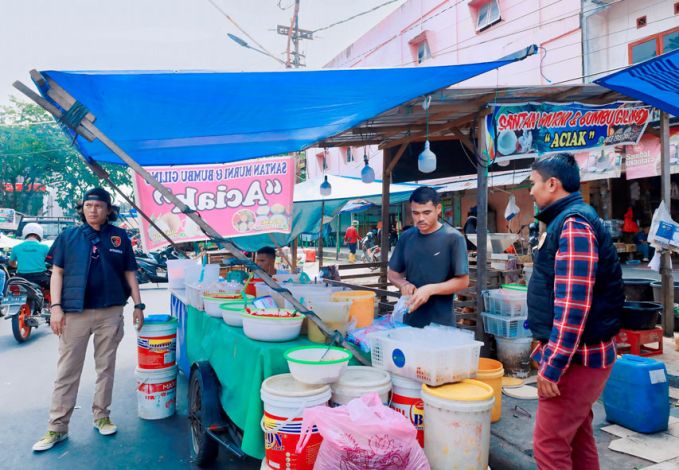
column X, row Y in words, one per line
column 641, row 241
column 29, row 256
column 429, row 262
column 265, row 258
column 351, row 239
column 93, row 275
column 576, row 261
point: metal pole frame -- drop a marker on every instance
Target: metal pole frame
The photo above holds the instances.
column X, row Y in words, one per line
column 90, row 132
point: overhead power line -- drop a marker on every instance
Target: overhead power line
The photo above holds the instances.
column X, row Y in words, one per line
column 355, row 16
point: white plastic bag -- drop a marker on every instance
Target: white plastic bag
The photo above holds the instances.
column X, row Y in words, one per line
column 664, row 231
column 400, row 309
column 512, row 208
column 363, row 435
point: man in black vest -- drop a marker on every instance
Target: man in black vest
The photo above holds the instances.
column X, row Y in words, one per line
column 93, row 275
column 575, row 299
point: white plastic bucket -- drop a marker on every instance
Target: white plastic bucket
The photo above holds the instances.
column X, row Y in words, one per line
column 356, row 381
column 284, row 402
column 210, row 273
column 157, row 342
column 406, row 398
column 156, row 392
column 176, row 272
column 457, row 432
column 514, row 354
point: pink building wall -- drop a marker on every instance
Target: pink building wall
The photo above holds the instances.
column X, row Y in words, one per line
column 450, row 29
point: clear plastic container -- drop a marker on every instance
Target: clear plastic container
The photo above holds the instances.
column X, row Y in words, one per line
column 433, row 355
column 506, row 327
column 506, row 302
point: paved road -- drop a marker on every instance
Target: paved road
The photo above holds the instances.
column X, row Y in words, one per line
column 26, row 377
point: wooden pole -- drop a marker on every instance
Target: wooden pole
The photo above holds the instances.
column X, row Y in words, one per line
column 320, row 236
column 384, row 242
column 294, row 255
column 481, row 231
column 87, row 128
column 666, row 259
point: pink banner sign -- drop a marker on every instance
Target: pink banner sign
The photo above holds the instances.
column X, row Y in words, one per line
column 237, row 199
column 643, row 160
column 599, row 163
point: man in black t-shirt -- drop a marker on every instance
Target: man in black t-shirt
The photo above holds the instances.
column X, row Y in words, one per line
column 93, row 275
column 429, row 263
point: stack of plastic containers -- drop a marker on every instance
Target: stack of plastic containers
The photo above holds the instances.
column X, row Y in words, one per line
column 506, row 317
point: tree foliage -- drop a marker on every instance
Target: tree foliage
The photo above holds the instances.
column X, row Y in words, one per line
column 34, row 151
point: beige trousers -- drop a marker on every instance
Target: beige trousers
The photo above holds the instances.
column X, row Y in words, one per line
column 107, row 327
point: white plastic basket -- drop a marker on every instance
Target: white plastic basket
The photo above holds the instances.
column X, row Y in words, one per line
column 506, row 302
column 430, row 355
column 506, row 327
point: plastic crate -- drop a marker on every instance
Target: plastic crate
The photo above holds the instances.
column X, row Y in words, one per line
column 194, row 295
column 430, row 355
column 506, row 327
column 506, row 302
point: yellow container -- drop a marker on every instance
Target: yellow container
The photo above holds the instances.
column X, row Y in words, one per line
column 490, row 372
column 362, row 309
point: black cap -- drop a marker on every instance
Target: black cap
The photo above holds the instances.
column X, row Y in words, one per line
column 98, row 194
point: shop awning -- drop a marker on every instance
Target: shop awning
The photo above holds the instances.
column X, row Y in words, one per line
column 655, row 81
column 166, row 118
column 461, row 183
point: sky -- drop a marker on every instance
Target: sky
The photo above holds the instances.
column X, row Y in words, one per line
column 167, row 34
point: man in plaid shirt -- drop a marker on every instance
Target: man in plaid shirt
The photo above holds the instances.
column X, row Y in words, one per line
column 575, row 299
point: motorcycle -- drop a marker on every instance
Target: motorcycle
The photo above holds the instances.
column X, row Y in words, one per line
column 371, row 251
column 152, row 267
column 24, row 303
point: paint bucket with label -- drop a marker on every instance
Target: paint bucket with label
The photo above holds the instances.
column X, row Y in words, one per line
column 356, row 381
column 284, row 402
column 406, row 398
column 157, row 342
column 156, row 392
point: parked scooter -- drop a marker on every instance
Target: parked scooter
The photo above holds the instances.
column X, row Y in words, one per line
column 25, row 304
column 152, row 267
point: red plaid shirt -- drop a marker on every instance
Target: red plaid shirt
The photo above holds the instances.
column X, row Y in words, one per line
column 575, row 269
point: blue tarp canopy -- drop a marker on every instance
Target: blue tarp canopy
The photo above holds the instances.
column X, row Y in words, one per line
column 655, row 81
column 167, row 118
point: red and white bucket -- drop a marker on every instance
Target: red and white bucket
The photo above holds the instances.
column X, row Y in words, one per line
column 406, row 398
column 156, row 392
column 157, row 342
column 284, row 402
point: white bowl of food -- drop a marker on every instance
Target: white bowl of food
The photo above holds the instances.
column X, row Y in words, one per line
column 316, row 365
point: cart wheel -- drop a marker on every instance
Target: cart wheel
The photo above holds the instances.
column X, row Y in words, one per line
column 203, row 412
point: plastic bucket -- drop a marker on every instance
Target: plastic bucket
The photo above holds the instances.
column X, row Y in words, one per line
column 491, row 372
column 457, row 429
column 156, row 392
column 157, row 342
column 640, row 315
column 514, row 353
column 657, row 291
column 406, row 398
column 356, row 381
column 284, row 402
column 362, row 309
column 638, row 289
column 335, row 315
column 175, row 272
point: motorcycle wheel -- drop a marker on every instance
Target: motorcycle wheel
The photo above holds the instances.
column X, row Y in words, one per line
column 20, row 329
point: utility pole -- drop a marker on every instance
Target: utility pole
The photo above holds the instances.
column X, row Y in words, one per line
column 294, row 35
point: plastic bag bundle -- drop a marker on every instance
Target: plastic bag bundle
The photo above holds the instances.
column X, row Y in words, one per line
column 512, row 208
column 363, row 435
column 400, row 309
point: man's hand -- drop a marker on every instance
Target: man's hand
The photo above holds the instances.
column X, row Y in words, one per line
column 407, row 288
column 420, row 297
column 138, row 316
column 57, row 320
column 547, row 389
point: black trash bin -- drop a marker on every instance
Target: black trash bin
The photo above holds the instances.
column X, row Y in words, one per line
column 640, row 315
column 638, row 289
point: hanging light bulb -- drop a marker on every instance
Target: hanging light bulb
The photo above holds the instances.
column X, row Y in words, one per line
column 367, row 173
column 326, row 188
column 426, row 161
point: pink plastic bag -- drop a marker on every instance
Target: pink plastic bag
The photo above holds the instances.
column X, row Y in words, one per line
column 363, row 435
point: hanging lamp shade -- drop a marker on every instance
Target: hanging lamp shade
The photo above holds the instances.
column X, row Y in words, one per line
column 426, row 161
column 367, row 173
column 326, row 188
